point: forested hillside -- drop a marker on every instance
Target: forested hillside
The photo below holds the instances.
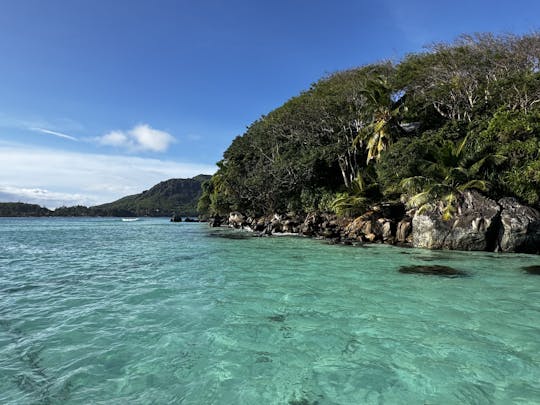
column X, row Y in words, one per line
column 170, row 197
column 164, row 199
column 458, row 116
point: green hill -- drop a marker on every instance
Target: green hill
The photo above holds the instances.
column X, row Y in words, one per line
column 174, row 196
column 164, row 199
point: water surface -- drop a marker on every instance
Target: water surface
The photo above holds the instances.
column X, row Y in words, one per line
column 110, row 312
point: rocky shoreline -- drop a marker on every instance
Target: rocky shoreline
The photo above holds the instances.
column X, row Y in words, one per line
column 480, row 224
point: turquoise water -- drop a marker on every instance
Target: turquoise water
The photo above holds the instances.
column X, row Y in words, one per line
column 150, row 312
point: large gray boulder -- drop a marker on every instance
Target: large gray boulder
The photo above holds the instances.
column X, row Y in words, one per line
column 474, row 227
column 520, row 227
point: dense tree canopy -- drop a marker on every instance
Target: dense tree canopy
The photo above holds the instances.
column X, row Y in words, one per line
column 380, row 124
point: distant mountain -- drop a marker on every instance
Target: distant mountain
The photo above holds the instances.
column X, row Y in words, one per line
column 164, row 199
column 174, row 196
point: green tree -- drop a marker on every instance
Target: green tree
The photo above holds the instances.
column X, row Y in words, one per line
column 383, row 111
column 396, row 119
column 445, row 175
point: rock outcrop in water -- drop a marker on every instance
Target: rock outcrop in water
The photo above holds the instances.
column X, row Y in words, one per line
column 520, row 227
column 473, row 228
column 480, row 224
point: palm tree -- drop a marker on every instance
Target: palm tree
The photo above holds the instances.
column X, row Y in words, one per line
column 383, row 121
column 445, row 175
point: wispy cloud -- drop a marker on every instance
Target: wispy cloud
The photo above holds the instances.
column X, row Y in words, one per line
column 44, row 197
column 53, row 177
column 194, row 137
column 55, row 133
column 54, row 124
column 140, row 138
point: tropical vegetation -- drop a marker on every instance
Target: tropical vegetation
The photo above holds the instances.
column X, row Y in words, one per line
column 454, row 117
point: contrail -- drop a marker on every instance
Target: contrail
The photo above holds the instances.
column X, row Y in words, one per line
column 59, row 134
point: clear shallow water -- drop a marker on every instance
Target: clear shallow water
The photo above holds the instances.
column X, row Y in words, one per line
column 109, row 312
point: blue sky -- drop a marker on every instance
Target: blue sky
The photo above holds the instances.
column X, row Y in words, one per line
column 105, row 98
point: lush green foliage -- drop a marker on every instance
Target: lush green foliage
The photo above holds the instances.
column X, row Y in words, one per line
column 480, row 95
column 447, row 172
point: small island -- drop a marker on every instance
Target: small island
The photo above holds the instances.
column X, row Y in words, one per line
column 440, row 150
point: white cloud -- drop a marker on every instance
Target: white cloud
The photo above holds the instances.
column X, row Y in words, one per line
column 115, row 138
column 140, row 138
column 53, row 177
column 55, row 133
column 44, row 197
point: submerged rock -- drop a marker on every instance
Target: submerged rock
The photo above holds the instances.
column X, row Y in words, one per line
column 301, row 401
column 231, row 235
column 435, row 270
column 277, row 318
column 532, row 270
column 520, row 227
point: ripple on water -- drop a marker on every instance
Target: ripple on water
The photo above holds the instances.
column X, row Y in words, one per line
column 94, row 311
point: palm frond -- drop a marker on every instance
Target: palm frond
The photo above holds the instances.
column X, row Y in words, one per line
column 450, row 198
column 481, row 185
column 358, row 141
column 461, row 145
column 456, row 173
column 492, row 159
column 344, row 204
column 420, row 199
column 414, row 183
column 424, row 208
column 379, row 125
column 448, row 212
column 358, row 185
